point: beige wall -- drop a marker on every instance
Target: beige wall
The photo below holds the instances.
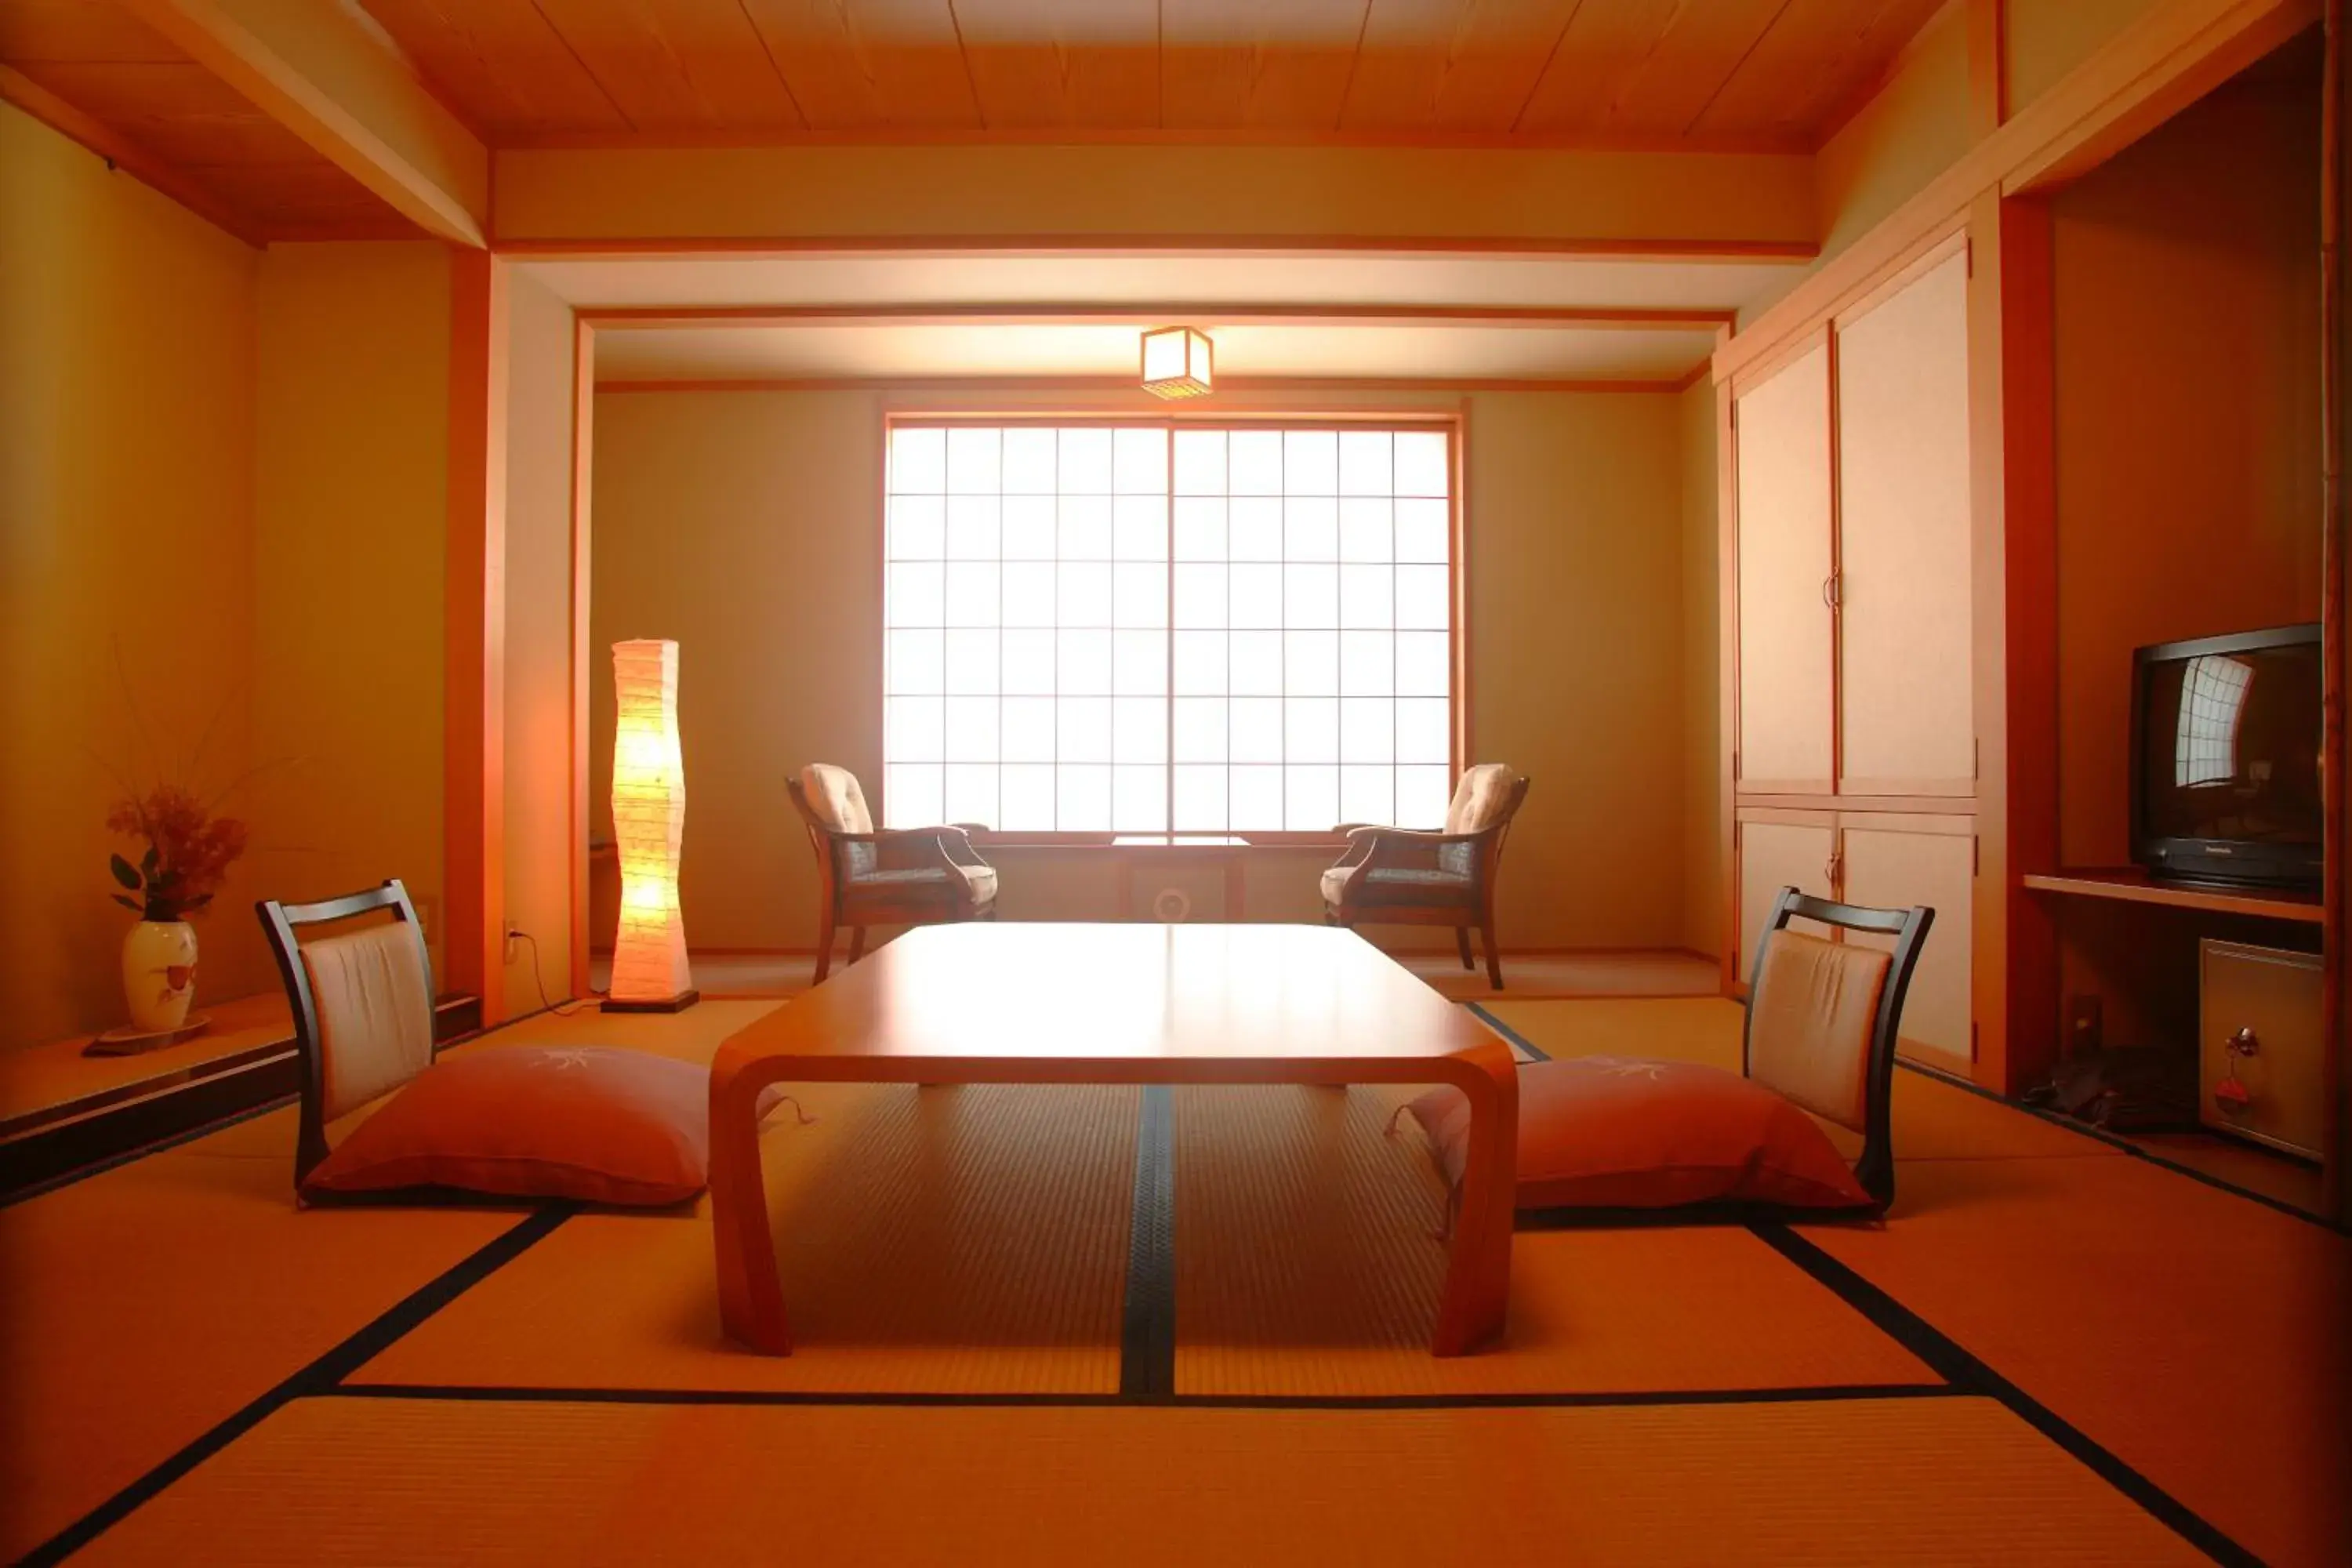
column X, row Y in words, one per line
column 2188, row 442
column 351, row 505
column 2044, row 40
column 539, row 838
column 746, row 525
column 1912, row 131
column 126, row 529
column 1705, row 889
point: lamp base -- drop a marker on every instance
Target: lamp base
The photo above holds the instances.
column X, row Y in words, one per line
column 678, row 1004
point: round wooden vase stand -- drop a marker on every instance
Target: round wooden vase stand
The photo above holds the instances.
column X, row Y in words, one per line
column 128, row 1039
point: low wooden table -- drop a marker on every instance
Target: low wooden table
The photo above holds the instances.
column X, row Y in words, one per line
column 1047, row 1004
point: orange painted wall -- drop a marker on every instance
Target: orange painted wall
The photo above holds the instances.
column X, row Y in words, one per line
column 2188, row 432
column 1702, row 675
column 126, row 537
column 352, row 480
column 745, row 524
column 539, row 841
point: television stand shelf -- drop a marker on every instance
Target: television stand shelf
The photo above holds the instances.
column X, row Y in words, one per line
column 2132, row 885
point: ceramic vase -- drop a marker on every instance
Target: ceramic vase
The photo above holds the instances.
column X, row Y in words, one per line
column 159, row 973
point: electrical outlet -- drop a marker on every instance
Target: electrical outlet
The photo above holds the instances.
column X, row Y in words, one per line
column 514, row 941
column 428, row 914
column 2085, row 1032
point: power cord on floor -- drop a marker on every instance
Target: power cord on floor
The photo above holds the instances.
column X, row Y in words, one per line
column 515, row 933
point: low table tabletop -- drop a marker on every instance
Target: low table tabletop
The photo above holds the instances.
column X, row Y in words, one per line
column 1043, row 1003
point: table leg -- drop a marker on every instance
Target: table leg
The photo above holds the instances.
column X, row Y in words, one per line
column 1479, row 1272
column 750, row 1296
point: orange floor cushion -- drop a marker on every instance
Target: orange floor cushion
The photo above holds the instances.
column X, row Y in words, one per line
column 1613, row 1132
column 594, row 1123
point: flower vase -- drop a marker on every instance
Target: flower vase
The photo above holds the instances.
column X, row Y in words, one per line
column 159, row 973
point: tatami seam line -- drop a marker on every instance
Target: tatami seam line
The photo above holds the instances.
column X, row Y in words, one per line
column 1509, row 1034
column 1147, row 1350
column 1969, row 1374
column 319, row 1376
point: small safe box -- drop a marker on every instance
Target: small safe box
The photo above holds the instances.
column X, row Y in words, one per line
column 2259, row 1047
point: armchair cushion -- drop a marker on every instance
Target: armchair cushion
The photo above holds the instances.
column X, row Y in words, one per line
column 598, row 1124
column 1480, row 799
column 1610, row 1132
column 835, row 797
column 1401, row 885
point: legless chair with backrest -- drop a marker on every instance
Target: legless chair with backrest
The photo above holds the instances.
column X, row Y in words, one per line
column 1409, row 876
column 1823, row 1019
column 908, row 876
column 363, row 1004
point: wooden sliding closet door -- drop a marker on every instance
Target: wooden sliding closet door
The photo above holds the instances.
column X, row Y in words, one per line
column 1894, row 860
column 1778, row 849
column 1784, row 564
column 1906, row 645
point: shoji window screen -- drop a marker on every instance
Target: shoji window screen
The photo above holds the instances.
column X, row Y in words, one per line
column 1145, row 628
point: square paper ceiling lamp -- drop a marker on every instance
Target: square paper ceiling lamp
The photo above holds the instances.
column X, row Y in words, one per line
column 1177, row 362
column 650, row 967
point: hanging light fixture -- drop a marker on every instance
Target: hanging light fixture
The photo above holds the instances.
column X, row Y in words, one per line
column 1177, row 363
column 649, row 964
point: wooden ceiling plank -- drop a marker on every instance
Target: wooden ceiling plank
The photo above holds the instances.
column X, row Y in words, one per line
column 78, row 30
column 1037, row 65
column 1235, row 64
column 502, row 65
column 124, row 153
column 678, row 65
column 1607, row 47
column 1701, row 49
column 1451, row 65
column 869, row 65
column 1809, row 62
column 337, row 81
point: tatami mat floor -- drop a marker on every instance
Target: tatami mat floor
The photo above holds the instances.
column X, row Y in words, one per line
column 2051, row 1353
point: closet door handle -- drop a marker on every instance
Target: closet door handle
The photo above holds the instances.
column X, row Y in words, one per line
column 1834, row 590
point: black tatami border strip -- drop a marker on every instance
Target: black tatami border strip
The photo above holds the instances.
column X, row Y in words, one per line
column 1534, row 1052
column 489, row 1393
column 1147, row 1346
column 319, row 1377
column 1969, row 1376
column 2125, row 1145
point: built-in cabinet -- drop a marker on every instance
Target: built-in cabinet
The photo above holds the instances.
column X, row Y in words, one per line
column 1854, row 745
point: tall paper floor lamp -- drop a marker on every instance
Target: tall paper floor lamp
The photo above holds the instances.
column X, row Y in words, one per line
column 649, row 966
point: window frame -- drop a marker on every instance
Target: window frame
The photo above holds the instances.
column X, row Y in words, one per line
column 1451, row 423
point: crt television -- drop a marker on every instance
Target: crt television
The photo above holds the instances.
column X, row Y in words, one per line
column 2225, row 758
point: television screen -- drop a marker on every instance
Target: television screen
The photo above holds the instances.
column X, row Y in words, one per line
column 2229, row 738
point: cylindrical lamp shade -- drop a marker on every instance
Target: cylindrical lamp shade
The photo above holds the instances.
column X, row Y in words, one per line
column 649, row 964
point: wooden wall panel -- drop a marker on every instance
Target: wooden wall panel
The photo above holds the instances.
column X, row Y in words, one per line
column 1784, row 566
column 1896, row 862
column 1906, row 643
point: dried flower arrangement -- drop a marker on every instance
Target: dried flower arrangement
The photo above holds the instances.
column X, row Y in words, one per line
column 189, row 852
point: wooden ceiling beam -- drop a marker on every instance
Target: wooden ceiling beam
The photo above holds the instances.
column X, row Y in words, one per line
column 335, row 80
column 1635, row 318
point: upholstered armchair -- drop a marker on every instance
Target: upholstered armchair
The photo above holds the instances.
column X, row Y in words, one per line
column 909, row 876
column 1398, row 876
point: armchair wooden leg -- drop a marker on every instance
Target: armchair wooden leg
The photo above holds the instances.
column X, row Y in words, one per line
column 1494, row 959
column 1461, row 945
column 823, row 943
column 856, row 944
